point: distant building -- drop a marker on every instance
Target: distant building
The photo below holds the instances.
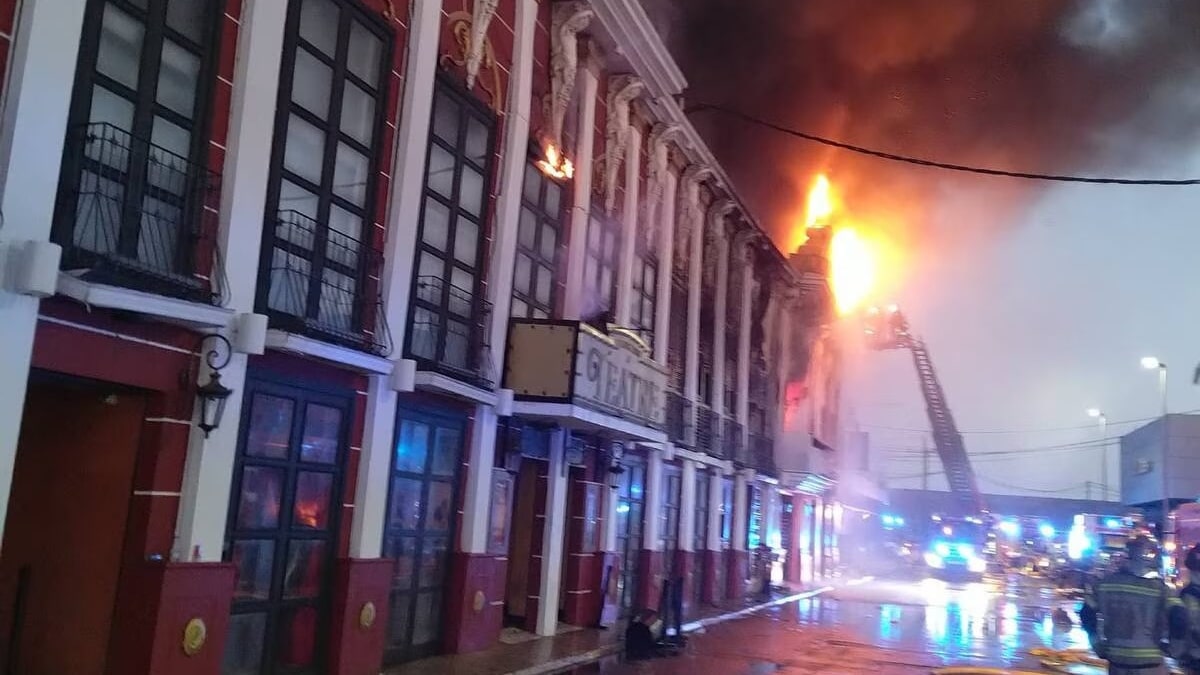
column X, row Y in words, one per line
column 1143, row 462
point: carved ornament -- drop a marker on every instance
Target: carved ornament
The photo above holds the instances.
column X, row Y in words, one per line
column 568, row 19
column 656, row 180
column 481, row 17
column 621, row 92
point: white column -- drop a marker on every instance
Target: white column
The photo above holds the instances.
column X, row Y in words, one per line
column 478, row 495
column 666, row 264
column 630, row 227
column 721, row 314
column 408, row 178
column 687, row 507
column 36, row 102
column 651, row 517
column 741, row 505
column 408, row 169
column 772, row 512
column 743, row 362
column 695, row 225
column 477, row 498
column 553, row 536
column 582, row 199
column 374, row 469
column 716, row 499
column 512, row 178
column 608, row 526
column 208, row 469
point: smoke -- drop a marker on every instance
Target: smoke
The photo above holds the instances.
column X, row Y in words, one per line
column 1056, row 86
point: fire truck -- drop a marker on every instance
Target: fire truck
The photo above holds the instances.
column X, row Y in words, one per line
column 1095, row 543
column 1187, row 533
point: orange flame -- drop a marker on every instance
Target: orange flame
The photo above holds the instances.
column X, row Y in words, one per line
column 854, row 259
column 555, row 165
column 818, row 208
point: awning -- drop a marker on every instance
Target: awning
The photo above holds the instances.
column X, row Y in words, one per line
column 579, row 418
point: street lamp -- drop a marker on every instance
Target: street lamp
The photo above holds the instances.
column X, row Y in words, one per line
column 1100, row 417
column 1152, row 363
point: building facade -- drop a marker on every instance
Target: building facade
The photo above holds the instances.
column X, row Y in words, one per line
column 343, row 332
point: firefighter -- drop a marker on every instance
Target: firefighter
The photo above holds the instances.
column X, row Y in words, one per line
column 1126, row 613
column 1185, row 629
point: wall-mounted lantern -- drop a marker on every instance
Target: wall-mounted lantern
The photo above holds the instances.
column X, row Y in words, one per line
column 212, row 394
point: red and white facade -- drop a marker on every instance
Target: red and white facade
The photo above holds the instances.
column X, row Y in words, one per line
column 370, row 200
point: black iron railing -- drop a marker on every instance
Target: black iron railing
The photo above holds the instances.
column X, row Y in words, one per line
column 679, row 420
column 448, row 333
column 733, row 440
column 134, row 214
column 762, row 454
column 324, row 283
column 708, row 436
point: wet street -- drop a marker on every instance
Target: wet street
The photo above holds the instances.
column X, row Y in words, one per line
column 885, row 626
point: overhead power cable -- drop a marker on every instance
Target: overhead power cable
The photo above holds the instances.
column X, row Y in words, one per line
column 1111, row 423
column 948, row 166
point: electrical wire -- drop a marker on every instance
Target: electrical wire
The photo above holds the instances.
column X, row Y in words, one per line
column 920, row 161
column 1110, row 423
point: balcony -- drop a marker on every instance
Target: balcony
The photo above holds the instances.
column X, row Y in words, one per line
column 761, row 455
column 136, row 215
column 708, row 437
column 732, row 438
column 341, row 303
column 679, row 420
column 448, row 332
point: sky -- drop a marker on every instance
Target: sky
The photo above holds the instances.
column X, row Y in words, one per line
column 1037, row 301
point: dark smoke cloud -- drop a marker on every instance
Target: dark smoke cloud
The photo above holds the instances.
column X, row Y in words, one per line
column 1102, row 86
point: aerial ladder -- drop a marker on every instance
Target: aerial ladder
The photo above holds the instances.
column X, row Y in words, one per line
column 889, row 329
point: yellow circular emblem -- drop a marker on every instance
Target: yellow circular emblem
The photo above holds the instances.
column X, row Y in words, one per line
column 195, row 634
column 366, row 615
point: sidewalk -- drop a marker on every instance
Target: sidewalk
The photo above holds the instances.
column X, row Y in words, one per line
column 554, row 654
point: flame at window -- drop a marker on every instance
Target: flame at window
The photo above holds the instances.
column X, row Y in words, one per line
column 555, row 164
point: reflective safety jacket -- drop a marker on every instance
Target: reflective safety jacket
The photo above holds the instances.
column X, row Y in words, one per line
column 1185, row 633
column 1126, row 618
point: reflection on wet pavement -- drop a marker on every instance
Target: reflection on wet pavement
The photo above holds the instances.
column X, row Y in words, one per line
column 888, row 627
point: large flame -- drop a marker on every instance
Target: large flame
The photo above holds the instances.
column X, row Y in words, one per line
column 854, row 258
column 852, row 269
column 818, row 208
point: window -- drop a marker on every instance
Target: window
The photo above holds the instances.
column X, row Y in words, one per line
column 134, row 183
column 331, row 102
column 538, row 240
column 600, row 268
column 446, row 319
column 644, row 298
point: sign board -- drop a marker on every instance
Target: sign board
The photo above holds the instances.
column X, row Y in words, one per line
column 611, row 377
column 571, row 362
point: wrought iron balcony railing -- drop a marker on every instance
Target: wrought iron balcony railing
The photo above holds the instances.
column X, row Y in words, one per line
column 733, row 440
column 762, row 454
column 448, row 333
column 708, row 437
column 679, row 420
column 324, row 283
column 137, row 215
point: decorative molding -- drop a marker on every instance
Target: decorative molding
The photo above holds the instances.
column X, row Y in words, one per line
column 621, row 92
column 481, row 17
column 716, row 215
column 568, row 19
column 656, row 180
column 462, row 26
